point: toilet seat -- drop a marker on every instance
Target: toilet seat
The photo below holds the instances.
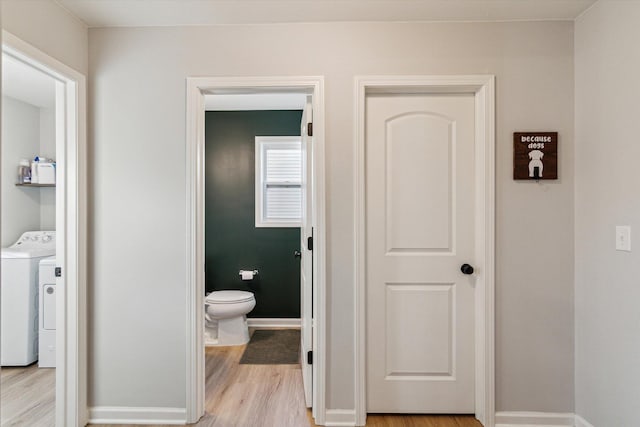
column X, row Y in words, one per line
column 228, row 297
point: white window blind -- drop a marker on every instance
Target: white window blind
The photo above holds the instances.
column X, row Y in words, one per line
column 278, row 182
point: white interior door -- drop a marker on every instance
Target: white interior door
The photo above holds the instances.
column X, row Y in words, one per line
column 419, row 231
column 306, row 260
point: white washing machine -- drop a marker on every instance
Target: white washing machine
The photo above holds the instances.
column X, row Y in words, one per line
column 47, row 313
column 19, row 296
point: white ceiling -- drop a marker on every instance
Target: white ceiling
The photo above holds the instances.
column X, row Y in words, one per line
column 127, row 13
column 27, row 84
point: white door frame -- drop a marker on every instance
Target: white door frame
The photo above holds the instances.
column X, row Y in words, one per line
column 71, row 226
column 197, row 88
column 482, row 87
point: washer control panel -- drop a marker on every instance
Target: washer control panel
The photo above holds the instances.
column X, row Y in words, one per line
column 36, row 240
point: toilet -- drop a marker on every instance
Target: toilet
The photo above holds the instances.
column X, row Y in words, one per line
column 226, row 317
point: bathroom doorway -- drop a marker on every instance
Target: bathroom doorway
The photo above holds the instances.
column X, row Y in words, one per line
column 44, row 115
column 249, row 95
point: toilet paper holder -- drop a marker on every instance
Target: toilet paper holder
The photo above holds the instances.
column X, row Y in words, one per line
column 255, row 272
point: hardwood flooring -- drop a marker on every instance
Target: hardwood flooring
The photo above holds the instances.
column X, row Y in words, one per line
column 383, row 420
column 272, row 396
column 27, row 396
column 236, row 396
column 251, row 395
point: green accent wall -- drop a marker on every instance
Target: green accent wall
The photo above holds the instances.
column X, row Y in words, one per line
column 232, row 241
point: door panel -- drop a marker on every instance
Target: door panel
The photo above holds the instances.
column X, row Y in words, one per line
column 420, row 230
column 431, row 355
column 418, row 150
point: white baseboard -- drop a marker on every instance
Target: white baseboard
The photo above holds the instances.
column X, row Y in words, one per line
column 266, row 323
column 133, row 415
column 531, row 419
column 581, row 422
column 340, row 417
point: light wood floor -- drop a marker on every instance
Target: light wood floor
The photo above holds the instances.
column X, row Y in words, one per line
column 422, row 421
column 236, row 396
column 27, row 396
column 272, row 396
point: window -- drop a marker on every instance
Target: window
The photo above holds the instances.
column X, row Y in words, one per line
column 278, row 181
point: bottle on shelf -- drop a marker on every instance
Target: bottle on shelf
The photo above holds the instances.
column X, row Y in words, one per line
column 24, row 172
column 34, row 170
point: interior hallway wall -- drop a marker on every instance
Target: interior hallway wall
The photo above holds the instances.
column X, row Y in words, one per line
column 607, row 63
column 137, row 92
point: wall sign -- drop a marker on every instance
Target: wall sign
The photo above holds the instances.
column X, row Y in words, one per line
column 535, row 155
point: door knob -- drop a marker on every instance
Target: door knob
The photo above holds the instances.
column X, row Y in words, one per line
column 466, row 269
column 297, row 254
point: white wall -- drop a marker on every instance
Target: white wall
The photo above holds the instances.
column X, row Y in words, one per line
column 137, row 102
column 607, row 64
column 20, row 140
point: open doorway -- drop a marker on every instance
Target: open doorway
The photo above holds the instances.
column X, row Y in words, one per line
column 29, row 243
column 254, row 256
column 274, row 199
column 43, row 239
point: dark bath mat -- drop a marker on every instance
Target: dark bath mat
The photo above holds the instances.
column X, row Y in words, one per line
column 273, row 347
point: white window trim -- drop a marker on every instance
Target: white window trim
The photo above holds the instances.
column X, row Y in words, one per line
column 261, row 142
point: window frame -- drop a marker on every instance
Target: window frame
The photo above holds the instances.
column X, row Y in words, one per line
column 262, row 144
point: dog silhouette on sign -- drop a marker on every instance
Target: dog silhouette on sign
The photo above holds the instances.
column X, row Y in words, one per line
column 536, row 162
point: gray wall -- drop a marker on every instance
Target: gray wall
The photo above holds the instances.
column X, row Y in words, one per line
column 607, row 178
column 137, row 101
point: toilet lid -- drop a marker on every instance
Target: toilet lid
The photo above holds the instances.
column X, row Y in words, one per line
column 228, row 297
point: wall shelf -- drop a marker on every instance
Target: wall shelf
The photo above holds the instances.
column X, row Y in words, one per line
column 35, row 185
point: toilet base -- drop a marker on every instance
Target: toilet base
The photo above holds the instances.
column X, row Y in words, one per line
column 210, row 332
column 230, row 331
